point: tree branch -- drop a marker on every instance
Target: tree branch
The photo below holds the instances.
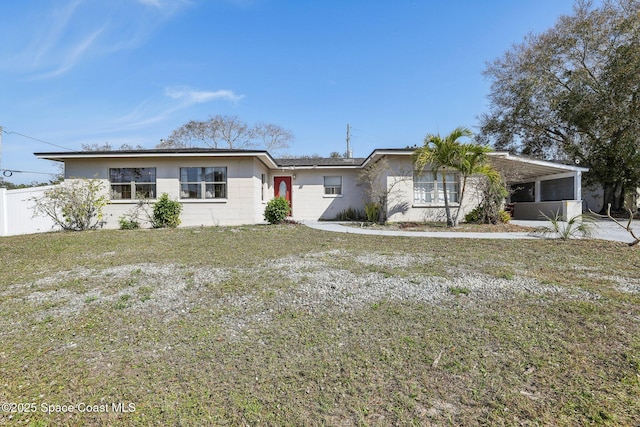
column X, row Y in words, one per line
column 628, row 226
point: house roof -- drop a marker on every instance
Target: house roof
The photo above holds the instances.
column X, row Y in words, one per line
column 526, row 168
column 263, row 155
column 321, row 162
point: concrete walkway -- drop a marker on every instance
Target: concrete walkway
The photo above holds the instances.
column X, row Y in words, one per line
column 605, row 230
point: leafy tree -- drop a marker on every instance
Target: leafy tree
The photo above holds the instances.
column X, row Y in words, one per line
column 75, row 205
column 449, row 153
column 573, row 93
column 228, row 132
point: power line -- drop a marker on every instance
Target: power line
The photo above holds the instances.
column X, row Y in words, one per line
column 9, row 172
column 35, row 139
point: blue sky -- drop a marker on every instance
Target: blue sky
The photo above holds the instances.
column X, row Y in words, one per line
column 132, row 71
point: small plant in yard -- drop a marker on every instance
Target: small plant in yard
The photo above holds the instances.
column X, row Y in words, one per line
column 166, row 212
column 276, row 210
column 479, row 216
column 141, row 213
column 458, row 290
column 128, row 223
column 372, row 211
column 577, row 226
column 122, row 302
column 350, row 214
column 74, row 205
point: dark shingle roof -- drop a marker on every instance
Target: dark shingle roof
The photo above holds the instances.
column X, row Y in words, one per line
column 322, row 161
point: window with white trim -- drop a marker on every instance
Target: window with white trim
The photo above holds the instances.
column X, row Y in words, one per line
column 332, row 185
column 132, row 183
column 203, row 183
column 428, row 189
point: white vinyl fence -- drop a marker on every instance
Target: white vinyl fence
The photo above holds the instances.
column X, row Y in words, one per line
column 17, row 213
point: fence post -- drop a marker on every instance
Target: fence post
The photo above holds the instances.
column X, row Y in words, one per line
column 4, row 220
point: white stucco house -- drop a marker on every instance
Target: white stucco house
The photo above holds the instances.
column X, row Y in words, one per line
column 232, row 187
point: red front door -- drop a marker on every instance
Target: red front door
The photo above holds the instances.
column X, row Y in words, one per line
column 282, row 188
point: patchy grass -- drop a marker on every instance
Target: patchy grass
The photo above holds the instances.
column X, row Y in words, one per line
column 275, row 325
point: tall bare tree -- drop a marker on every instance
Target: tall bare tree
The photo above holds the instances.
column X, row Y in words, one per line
column 231, row 132
column 228, row 132
column 273, row 137
column 107, row 147
column 192, row 133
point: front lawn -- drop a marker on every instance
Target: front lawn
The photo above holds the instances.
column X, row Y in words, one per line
column 284, row 325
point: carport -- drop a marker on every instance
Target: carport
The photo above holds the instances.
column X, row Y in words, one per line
column 538, row 186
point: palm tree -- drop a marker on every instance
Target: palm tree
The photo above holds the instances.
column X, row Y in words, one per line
column 449, row 153
column 474, row 161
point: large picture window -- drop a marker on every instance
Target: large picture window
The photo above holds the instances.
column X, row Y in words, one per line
column 132, row 183
column 429, row 189
column 203, row 183
column 332, row 185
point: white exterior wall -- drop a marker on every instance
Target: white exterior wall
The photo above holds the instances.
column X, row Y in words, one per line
column 401, row 207
column 17, row 215
column 243, row 204
column 308, row 198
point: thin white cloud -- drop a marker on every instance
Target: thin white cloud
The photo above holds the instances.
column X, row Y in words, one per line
column 59, row 20
column 163, row 4
column 74, row 55
column 151, row 111
column 65, row 33
column 154, row 3
column 191, row 96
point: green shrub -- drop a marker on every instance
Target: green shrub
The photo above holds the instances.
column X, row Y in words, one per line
column 473, row 216
column 128, row 224
column 484, row 215
column 276, row 210
column 74, row 205
column 504, row 216
column 350, row 214
column 166, row 212
column 372, row 211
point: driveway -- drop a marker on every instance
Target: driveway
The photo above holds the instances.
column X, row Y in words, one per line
column 603, row 229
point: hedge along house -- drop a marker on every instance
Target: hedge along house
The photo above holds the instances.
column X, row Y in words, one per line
column 232, row 187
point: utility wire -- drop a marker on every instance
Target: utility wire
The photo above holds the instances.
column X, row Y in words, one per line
column 9, row 172
column 36, row 139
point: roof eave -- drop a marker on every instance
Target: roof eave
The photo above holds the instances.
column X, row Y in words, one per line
column 264, row 156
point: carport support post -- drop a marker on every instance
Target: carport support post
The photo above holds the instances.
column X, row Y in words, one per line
column 536, row 190
column 577, row 185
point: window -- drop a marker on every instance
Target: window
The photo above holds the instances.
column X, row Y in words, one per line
column 557, row 189
column 523, row 192
column 332, row 185
column 203, row 183
column 132, row 183
column 429, row 190
column 263, row 185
